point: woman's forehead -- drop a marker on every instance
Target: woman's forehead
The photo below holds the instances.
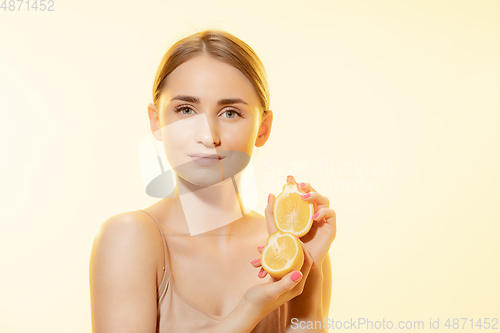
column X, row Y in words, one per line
column 209, row 80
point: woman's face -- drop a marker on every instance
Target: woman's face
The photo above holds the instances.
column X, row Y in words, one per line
column 209, row 107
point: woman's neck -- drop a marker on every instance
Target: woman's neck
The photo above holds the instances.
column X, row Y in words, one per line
column 211, row 209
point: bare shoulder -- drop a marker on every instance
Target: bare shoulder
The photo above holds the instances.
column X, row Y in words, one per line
column 123, row 274
column 132, row 226
column 129, row 231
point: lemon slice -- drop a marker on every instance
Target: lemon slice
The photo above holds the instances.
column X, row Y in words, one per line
column 291, row 213
column 282, row 254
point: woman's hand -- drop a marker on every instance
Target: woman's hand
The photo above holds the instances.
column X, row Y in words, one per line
column 264, row 298
column 324, row 228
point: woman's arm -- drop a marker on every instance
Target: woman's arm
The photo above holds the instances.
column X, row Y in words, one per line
column 314, row 303
column 327, row 285
column 122, row 276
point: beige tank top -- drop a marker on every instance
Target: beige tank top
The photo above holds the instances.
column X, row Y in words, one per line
column 177, row 314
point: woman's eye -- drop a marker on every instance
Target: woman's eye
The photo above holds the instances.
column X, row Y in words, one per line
column 232, row 114
column 180, row 110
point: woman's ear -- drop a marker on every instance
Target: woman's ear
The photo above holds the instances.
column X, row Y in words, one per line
column 154, row 121
column 265, row 128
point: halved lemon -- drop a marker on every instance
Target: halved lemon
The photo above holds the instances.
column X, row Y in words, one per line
column 282, row 254
column 291, row 213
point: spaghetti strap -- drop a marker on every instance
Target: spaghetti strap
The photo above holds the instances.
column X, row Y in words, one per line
column 166, row 265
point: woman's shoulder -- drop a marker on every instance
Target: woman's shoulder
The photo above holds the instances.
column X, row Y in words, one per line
column 134, row 229
column 131, row 224
column 130, row 231
column 142, row 218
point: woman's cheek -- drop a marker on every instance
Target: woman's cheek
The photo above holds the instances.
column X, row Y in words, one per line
column 240, row 139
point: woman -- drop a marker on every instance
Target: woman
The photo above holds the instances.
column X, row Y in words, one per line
column 182, row 264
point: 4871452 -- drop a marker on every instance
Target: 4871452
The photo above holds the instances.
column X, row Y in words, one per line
column 479, row 323
column 27, row 5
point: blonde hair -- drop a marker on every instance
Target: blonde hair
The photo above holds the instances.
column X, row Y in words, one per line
column 222, row 46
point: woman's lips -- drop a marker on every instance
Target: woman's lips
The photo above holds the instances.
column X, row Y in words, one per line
column 206, row 160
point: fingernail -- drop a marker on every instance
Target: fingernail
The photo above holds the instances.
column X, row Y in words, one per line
column 306, row 195
column 260, row 273
column 255, row 261
column 268, row 197
column 301, row 184
column 296, row 276
column 315, row 216
column 261, row 247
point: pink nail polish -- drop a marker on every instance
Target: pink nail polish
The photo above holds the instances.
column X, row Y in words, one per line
column 260, row 273
column 296, row 276
column 255, row 261
column 315, row 216
column 301, row 184
column 268, row 197
column 261, row 247
column 306, row 195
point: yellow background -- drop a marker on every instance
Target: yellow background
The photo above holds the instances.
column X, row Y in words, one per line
column 413, row 85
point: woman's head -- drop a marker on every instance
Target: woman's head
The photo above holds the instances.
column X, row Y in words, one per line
column 221, row 46
column 210, row 97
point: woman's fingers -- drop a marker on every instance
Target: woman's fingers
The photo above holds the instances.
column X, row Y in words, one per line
column 271, row 228
column 325, row 213
column 329, row 216
column 262, row 273
column 288, row 282
column 308, row 260
column 314, row 197
column 306, row 187
column 256, row 262
column 322, row 203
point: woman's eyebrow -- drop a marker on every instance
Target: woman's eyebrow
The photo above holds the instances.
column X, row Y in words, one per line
column 223, row 101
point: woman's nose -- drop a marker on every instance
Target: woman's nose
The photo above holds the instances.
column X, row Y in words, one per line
column 208, row 135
